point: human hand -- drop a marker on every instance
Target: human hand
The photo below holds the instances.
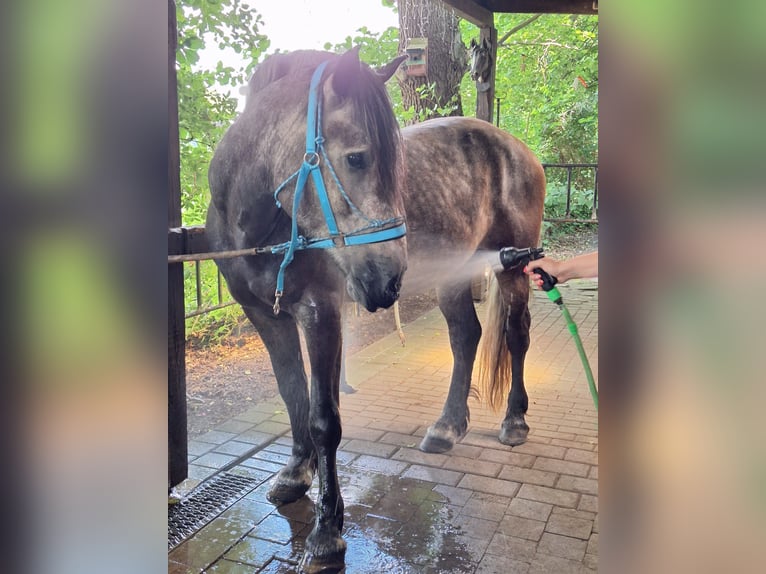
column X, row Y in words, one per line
column 551, row 266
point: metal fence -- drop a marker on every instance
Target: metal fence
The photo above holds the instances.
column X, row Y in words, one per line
column 570, row 167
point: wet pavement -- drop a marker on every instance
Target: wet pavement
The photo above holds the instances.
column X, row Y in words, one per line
column 482, row 508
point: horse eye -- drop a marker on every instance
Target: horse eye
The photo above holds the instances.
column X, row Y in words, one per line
column 356, row 161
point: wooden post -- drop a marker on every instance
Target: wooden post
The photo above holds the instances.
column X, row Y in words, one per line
column 485, row 100
column 178, row 467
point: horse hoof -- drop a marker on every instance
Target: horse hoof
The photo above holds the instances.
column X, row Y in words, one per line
column 289, row 486
column 513, row 434
column 325, row 558
column 438, row 439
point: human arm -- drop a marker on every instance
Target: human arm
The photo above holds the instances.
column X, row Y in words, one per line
column 565, row 269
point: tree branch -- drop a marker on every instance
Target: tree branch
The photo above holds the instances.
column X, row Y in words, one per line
column 517, row 28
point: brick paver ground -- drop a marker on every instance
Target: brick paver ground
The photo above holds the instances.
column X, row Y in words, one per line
column 482, row 508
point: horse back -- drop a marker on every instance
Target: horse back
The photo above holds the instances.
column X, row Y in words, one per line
column 471, row 184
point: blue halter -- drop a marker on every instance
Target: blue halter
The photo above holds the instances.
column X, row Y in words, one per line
column 375, row 231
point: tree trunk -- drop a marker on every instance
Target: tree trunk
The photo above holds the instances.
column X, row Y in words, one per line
column 447, row 61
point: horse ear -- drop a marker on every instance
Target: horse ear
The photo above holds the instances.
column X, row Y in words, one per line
column 346, row 72
column 473, row 43
column 385, row 72
column 485, row 43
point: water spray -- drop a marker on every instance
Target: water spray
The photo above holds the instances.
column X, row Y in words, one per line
column 511, row 257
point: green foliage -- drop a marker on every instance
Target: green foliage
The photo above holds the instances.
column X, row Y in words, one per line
column 580, row 206
column 206, row 108
column 547, row 80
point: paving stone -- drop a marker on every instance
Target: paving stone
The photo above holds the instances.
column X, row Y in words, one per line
column 382, row 465
column 592, row 544
column 585, row 485
column 518, row 548
column 368, row 447
column 254, row 437
column 528, row 475
column 521, row 527
column 572, row 513
column 275, row 528
column 489, row 485
column 476, row 527
column 234, row 426
column 463, row 464
column 272, row 427
column 417, row 456
column 548, row 564
column 488, row 506
column 214, row 460
column 465, row 450
column 264, row 465
column 451, row 494
column 538, row 449
column 578, row 455
column 233, row 447
column 590, row 563
column 196, row 448
column 562, row 546
column 569, row 526
column 216, row 437
column 178, row 568
column 494, row 564
column 361, row 433
column 248, row 510
column 549, row 495
column 508, row 457
column 253, row 551
column 593, row 473
column 207, row 545
column 224, row 566
column 529, row 509
column 439, row 475
column 588, row 503
column 561, row 466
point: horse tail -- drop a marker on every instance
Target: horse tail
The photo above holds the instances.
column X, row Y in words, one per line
column 494, row 361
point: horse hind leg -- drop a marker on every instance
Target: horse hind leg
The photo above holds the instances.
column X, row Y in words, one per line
column 456, row 304
column 514, row 429
column 280, row 336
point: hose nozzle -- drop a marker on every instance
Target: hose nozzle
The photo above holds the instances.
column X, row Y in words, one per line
column 511, row 257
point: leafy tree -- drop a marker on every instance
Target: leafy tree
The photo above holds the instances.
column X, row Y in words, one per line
column 547, row 80
column 205, row 107
column 437, row 93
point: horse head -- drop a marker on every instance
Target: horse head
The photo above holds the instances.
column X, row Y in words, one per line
column 481, row 60
column 357, row 151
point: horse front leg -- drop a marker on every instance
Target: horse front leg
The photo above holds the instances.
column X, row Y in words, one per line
column 514, row 429
column 456, row 304
column 280, row 336
column 325, row 549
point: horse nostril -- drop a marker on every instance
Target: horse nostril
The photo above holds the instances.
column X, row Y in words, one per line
column 393, row 286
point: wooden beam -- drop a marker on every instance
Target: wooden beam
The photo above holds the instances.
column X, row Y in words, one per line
column 178, row 467
column 472, row 11
column 541, row 6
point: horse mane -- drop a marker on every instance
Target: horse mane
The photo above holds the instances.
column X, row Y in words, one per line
column 372, row 107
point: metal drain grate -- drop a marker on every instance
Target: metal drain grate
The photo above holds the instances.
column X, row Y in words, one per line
column 205, row 502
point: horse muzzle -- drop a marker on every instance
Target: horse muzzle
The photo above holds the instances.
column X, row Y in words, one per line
column 374, row 292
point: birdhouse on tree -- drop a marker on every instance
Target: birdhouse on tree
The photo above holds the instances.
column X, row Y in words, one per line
column 417, row 57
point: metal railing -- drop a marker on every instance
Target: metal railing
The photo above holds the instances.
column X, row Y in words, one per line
column 569, row 167
column 200, row 309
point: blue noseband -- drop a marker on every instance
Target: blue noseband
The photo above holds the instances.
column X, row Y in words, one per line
column 375, row 231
